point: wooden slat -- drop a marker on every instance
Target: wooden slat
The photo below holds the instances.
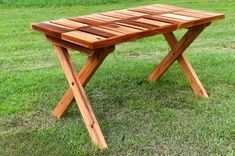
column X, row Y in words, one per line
column 58, row 25
column 117, row 15
column 157, row 9
column 51, row 29
column 145, row 10
column 87, row 21
column 204, row 12
column 93, row 30
column 151, row 10
column 69, row 23
column 139, row 24
column 165, row 19
column 120, row 28
column 131, row 26
column 153, row 22
column 131, row 13
column 94, row 19
column 83, row 38
column 181, row 23
column 103, row 17
column 110, row 31
column 180, row 17
column 191, row 14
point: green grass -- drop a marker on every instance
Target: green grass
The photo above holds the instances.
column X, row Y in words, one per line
column 137, row 118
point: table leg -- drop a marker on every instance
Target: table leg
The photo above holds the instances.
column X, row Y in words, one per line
column 187, row 67
column 87, row 71
column 81, row 98
column 176, row 53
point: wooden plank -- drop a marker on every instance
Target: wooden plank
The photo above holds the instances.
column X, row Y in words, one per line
column 145, row 10
column 65, row 44
column 51, row 29
column 87, row 71
column 187, row 68
column 180, row 17
column 191, row 14
column 69, row 23
column 58, row 25
column 149, row 27
column 120, row 28
column 94, row 19
column 87, row 21
column 131, row 26
column 153, row 22
column 81, row 98
column 93, row 30
column 180, row 23
column 110, row 31
column 202, row 18
column 103, row 21
column 130, row 13
column 179, row 48
column 117, row 15
column 151, row 10
column 165, row 19
column 81, row 38
column 103, row 18
column 157, row 9
column 204, row 12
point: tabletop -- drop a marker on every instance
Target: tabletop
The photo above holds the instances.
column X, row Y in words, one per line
column 110, row 28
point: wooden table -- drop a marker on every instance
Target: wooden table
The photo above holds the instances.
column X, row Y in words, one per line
column 96, row 36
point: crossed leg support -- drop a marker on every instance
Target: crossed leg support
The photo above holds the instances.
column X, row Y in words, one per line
column 176, row 53
column 78, row 81
column 87, row 71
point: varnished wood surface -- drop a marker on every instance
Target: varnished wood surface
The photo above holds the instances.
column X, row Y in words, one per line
column 187, row 68
column 110, row 28
column 81, row 98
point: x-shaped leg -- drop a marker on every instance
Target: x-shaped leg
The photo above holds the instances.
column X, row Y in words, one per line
column 87, row 71
column 76, row 82
column 176, row 53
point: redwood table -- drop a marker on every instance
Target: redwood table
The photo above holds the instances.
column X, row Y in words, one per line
column 96, row 36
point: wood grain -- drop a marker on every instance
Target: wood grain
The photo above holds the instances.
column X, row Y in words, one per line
column 187, row 68
column 179, row 48
column 114, row 27
column 81, row 98
column 87, row 71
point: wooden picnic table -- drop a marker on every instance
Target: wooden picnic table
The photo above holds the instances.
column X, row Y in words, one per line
column 96, row 36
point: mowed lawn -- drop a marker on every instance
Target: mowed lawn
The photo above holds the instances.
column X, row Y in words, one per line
column 136, row 117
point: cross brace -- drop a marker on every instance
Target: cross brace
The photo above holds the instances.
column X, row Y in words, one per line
column 77, row 81
column 176, row 53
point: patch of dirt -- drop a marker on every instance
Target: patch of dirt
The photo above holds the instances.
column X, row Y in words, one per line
column 229, row 46
column 232, row 46
column 26, row 122
column 141, row 55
